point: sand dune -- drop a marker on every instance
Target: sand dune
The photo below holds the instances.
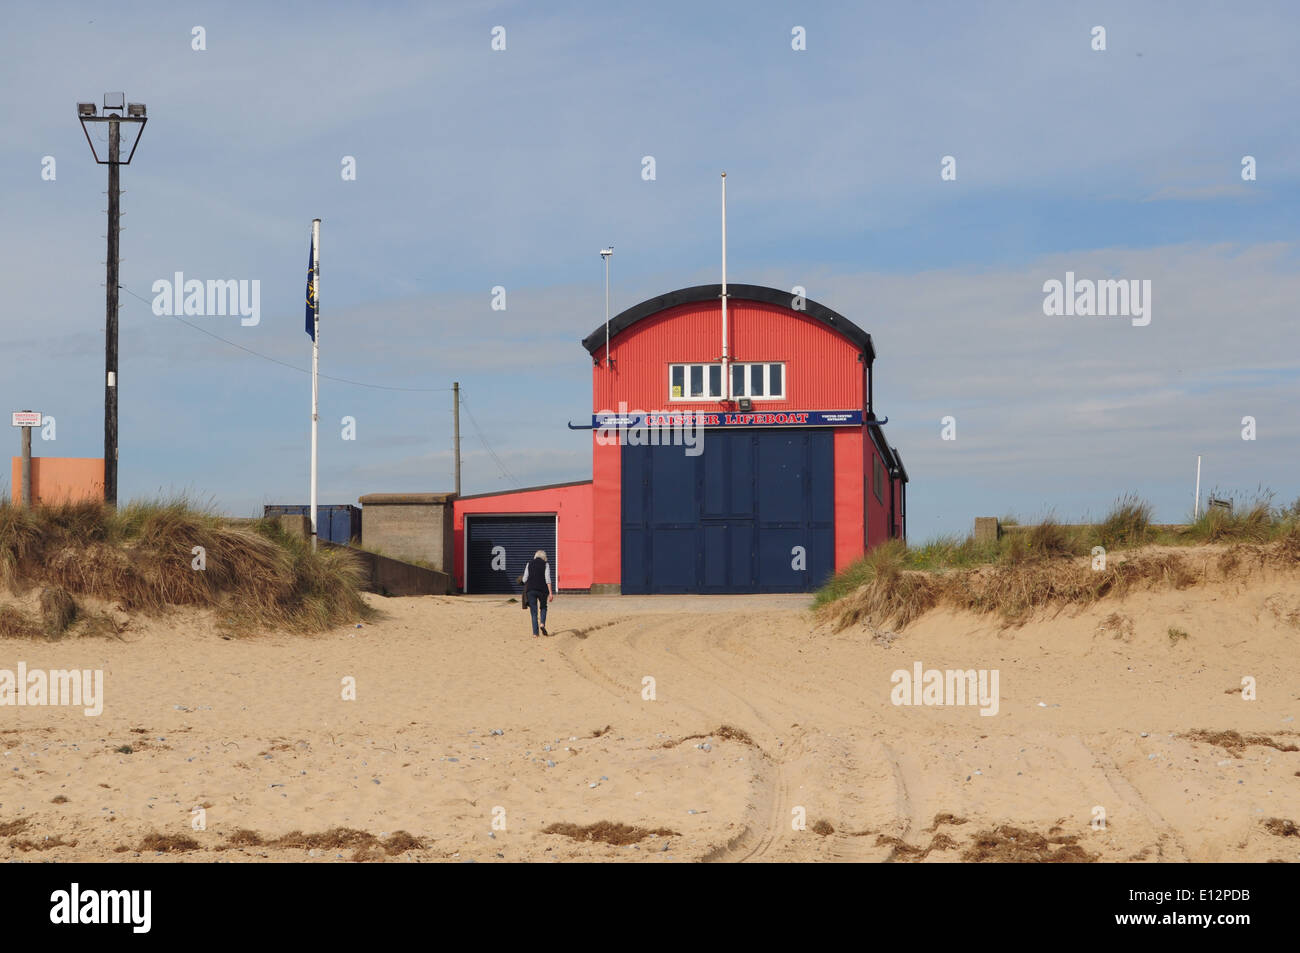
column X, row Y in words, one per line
column 1094, row 710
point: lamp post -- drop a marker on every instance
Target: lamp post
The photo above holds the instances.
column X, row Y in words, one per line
column 115, row 106
column 605, row 254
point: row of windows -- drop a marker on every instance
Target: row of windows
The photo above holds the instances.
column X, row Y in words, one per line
column 704, row 381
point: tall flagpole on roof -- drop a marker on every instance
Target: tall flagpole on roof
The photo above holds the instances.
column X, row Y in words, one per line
column 726, row 373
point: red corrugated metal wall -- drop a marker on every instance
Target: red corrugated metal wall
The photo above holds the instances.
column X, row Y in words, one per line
column 822, row 369
column 849, row 529
column 878, row 525
column 572, row 506
column 900, row 507
column 607, row 513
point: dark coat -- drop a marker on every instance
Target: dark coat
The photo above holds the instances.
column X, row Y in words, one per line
column 536, row 576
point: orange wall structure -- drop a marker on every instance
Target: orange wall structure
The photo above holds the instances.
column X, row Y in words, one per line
column 60, row 479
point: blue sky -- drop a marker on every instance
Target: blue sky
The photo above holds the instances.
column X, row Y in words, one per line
column 478, row 168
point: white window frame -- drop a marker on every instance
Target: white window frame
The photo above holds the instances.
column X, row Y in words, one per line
column 767, row 379
column 686, row 381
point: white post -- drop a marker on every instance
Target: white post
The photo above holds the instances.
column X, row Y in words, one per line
column 1196, row 508
column 726, row 372
column 606, row 254
column 315, row 367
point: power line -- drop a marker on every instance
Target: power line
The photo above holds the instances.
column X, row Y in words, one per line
column 276, row 360
column 505, row 471
column 492, row 453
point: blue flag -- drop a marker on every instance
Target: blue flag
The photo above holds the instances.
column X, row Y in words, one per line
column 312, row 303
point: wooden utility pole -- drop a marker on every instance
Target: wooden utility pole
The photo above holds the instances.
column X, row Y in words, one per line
column 116, row 111
column 455, row 428
column 110, row 316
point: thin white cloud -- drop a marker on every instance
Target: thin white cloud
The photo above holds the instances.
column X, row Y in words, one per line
column 1202, row 193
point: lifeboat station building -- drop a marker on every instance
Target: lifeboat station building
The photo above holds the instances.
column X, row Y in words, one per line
column 732, row 452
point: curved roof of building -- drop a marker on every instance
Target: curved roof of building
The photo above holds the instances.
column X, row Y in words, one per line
column 782, row 299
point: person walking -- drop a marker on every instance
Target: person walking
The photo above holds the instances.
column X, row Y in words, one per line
column 538, row 590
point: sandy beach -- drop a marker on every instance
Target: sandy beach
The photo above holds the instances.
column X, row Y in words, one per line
column 473, row 737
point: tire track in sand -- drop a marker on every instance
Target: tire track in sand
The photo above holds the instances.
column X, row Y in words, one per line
column 763, row 818
column 766, row 820
column 902, row 801
column 572, row 652
column 1119, row 783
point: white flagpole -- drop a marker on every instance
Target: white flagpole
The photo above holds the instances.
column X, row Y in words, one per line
column 315, row 367
column 726, row 371
column 1196, row 505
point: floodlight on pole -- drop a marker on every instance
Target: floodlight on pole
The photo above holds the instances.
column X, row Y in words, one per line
column 136, row 114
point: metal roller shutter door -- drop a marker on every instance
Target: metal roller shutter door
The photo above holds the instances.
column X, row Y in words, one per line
column 512, row 540
column 754, row 512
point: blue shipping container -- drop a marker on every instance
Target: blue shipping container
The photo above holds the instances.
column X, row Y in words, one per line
column 340, row 523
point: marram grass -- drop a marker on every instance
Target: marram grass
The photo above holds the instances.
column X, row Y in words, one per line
column 143, row 558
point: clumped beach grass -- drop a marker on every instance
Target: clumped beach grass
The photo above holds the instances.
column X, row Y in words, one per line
column 1046, row 565
column 1257, row 523
column 150, row 556
column 1127, row 524
column 17, row 624
column 58, row 610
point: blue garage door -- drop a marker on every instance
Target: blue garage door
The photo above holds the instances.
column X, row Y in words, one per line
column 497, row 548
column 755, row 512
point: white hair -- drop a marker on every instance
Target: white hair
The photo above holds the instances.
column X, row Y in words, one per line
column 540, row 554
